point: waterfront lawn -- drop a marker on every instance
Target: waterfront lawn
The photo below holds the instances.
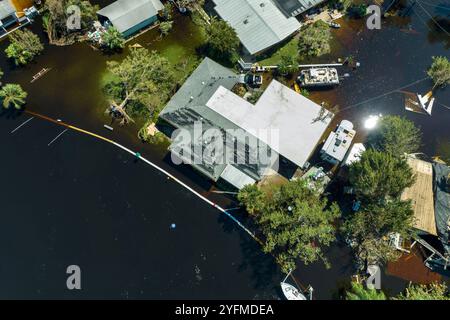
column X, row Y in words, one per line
column 180, row 46
column 288, row 49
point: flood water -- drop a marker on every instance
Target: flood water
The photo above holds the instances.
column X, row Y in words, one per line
column 84, row 202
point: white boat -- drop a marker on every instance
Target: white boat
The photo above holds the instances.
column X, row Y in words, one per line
column 290, row 292
column 334, row 25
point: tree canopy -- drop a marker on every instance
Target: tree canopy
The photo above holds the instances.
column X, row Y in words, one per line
column 222, row 40
column 190, row 4
column 165, row 27
column 24, row 46
column 359, row 292
column 395, row 135
column 294, row 220
column 433, row 291
column 379, row 175
column 440, row 71
column 370, row 228
column 57, row 15
column 113, row 39
column 12, row 95
column 141, row 83
column 314, row 40
column 287, row 65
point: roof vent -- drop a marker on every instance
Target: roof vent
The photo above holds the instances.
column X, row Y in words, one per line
column 246, row 21
column 262, row 4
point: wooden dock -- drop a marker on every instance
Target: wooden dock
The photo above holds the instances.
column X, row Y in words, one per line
column 40, row 74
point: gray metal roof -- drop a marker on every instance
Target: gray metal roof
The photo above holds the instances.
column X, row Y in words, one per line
column 236, row 177
column 6, row 9
column 125, row 14
column 283, row 119
column 259, row 23
column 296, row 7
column 442, row 203
column 188, row 108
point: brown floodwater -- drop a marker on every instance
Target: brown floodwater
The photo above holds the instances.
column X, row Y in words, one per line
column 113, row 213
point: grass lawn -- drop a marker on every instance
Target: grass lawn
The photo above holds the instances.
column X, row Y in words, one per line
column 289, row 49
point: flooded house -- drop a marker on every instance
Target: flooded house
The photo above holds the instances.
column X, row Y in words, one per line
column 225, row 137
column 338, row 143
column 130, row 16
column 430, row 199
column 259, row 24
column 15, row 14
column 296, row 7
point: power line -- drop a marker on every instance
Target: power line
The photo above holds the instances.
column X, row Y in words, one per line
column 434, row 5
column 431, row 17
column 383, row 95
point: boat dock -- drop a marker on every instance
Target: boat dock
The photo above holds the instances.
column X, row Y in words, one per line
column 40, row 74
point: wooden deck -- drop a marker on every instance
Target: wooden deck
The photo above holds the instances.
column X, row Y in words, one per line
column 411, row 267
column 421, row 195
column 20, row 5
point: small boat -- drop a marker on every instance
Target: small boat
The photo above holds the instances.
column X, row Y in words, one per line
column 108, row 127
column 290, row 292
column 334, row 25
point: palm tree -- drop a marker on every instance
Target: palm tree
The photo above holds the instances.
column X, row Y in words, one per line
column 13, row 94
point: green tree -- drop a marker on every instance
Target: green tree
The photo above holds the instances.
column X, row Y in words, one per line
column 346, row 3
column 254, row 97
column 12, row 95
column 24, row 46
column 379, row 175
column 165, row 27
column 440, row 71
column 314, row 40
column 167, row 12
column 56, row 16
column 113, row 39
column 360, row 292
column 370, row 228
column 395, row 135
column 190, row 4
column 253, row 198
column 142, row 82
column 295, row 222
column 433, row 291
column 287, row 65
column 222, row 39
column 304, row 92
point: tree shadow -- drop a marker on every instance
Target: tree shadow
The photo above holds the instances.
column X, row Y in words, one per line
column 11, row 112
column 265, row 273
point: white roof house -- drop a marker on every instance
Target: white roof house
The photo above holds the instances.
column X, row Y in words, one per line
column 259, row 24
column 296, row 121
column 282, row 122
